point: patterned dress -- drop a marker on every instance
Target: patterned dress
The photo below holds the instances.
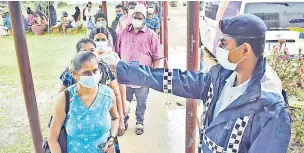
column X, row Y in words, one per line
column 30, row 19
column 88, row 127
column 153, row 23
column 38, row 29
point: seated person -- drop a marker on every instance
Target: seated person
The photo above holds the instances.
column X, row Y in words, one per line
column 4, row 29
column 30, row 17
column 41, row 24
column 70, row 22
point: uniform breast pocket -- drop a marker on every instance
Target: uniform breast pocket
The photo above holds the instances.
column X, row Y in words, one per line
column 224, row 132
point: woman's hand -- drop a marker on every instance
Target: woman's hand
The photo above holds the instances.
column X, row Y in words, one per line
column 109, row 146
column 126, row 111
column 121, row 128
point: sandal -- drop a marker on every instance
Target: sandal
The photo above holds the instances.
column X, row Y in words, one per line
column 126, row 122
column 139, row 129
column 121, row 134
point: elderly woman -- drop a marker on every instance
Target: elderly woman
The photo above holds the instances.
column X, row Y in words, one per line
column 41, row 24
column 107, row 78
column 92, row 120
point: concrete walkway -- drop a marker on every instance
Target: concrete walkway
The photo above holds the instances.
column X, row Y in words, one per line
column 155, row 138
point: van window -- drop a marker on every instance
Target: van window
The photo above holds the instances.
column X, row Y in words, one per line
column 278, row 16
column 211, row 8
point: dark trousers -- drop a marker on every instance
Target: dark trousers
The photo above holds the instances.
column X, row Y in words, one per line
column 141, row 95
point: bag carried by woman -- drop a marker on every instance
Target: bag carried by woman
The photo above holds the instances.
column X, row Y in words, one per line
column 62, row 139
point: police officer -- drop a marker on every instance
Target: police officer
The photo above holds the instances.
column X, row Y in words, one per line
column 245, row 107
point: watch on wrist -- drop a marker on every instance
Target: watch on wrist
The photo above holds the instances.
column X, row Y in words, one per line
column 111, row 136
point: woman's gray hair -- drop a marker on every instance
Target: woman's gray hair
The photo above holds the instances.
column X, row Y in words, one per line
column 81, row 58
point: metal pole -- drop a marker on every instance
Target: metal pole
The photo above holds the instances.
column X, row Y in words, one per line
column 25, row 73
column 192, row 65
column 49, row 17
column 166, row 33
column 161, row 21
column 104, row 8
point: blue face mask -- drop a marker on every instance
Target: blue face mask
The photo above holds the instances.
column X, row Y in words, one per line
column 118, row 15
column 90, row 81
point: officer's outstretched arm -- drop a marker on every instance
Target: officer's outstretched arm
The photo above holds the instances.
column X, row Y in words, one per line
column 274, row 136
column 185, row 84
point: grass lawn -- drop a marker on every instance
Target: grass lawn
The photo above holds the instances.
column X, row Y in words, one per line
column 49, row 56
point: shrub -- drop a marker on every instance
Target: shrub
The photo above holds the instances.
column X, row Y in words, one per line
column 291, row 72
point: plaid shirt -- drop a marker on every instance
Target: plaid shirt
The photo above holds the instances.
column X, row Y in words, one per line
column 153, row 23
column 107, row 75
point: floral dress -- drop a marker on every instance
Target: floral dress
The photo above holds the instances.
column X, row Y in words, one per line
column 88, row 127
column 39, row 28
column 30, row 19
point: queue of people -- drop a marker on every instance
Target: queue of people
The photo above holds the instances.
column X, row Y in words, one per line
column 91, row 84
column 245, row 107
column 123, row 20
column 138, row 43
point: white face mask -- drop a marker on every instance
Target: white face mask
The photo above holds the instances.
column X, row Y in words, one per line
column 90, row 81
column 101, row 46
column 150, row 10
column 137, row 23
column 222, row 55
column 102, row 24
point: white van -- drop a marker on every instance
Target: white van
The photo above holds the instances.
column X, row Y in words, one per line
column 277, row 14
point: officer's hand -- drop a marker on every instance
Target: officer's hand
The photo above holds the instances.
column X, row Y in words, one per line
column 111, row 58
